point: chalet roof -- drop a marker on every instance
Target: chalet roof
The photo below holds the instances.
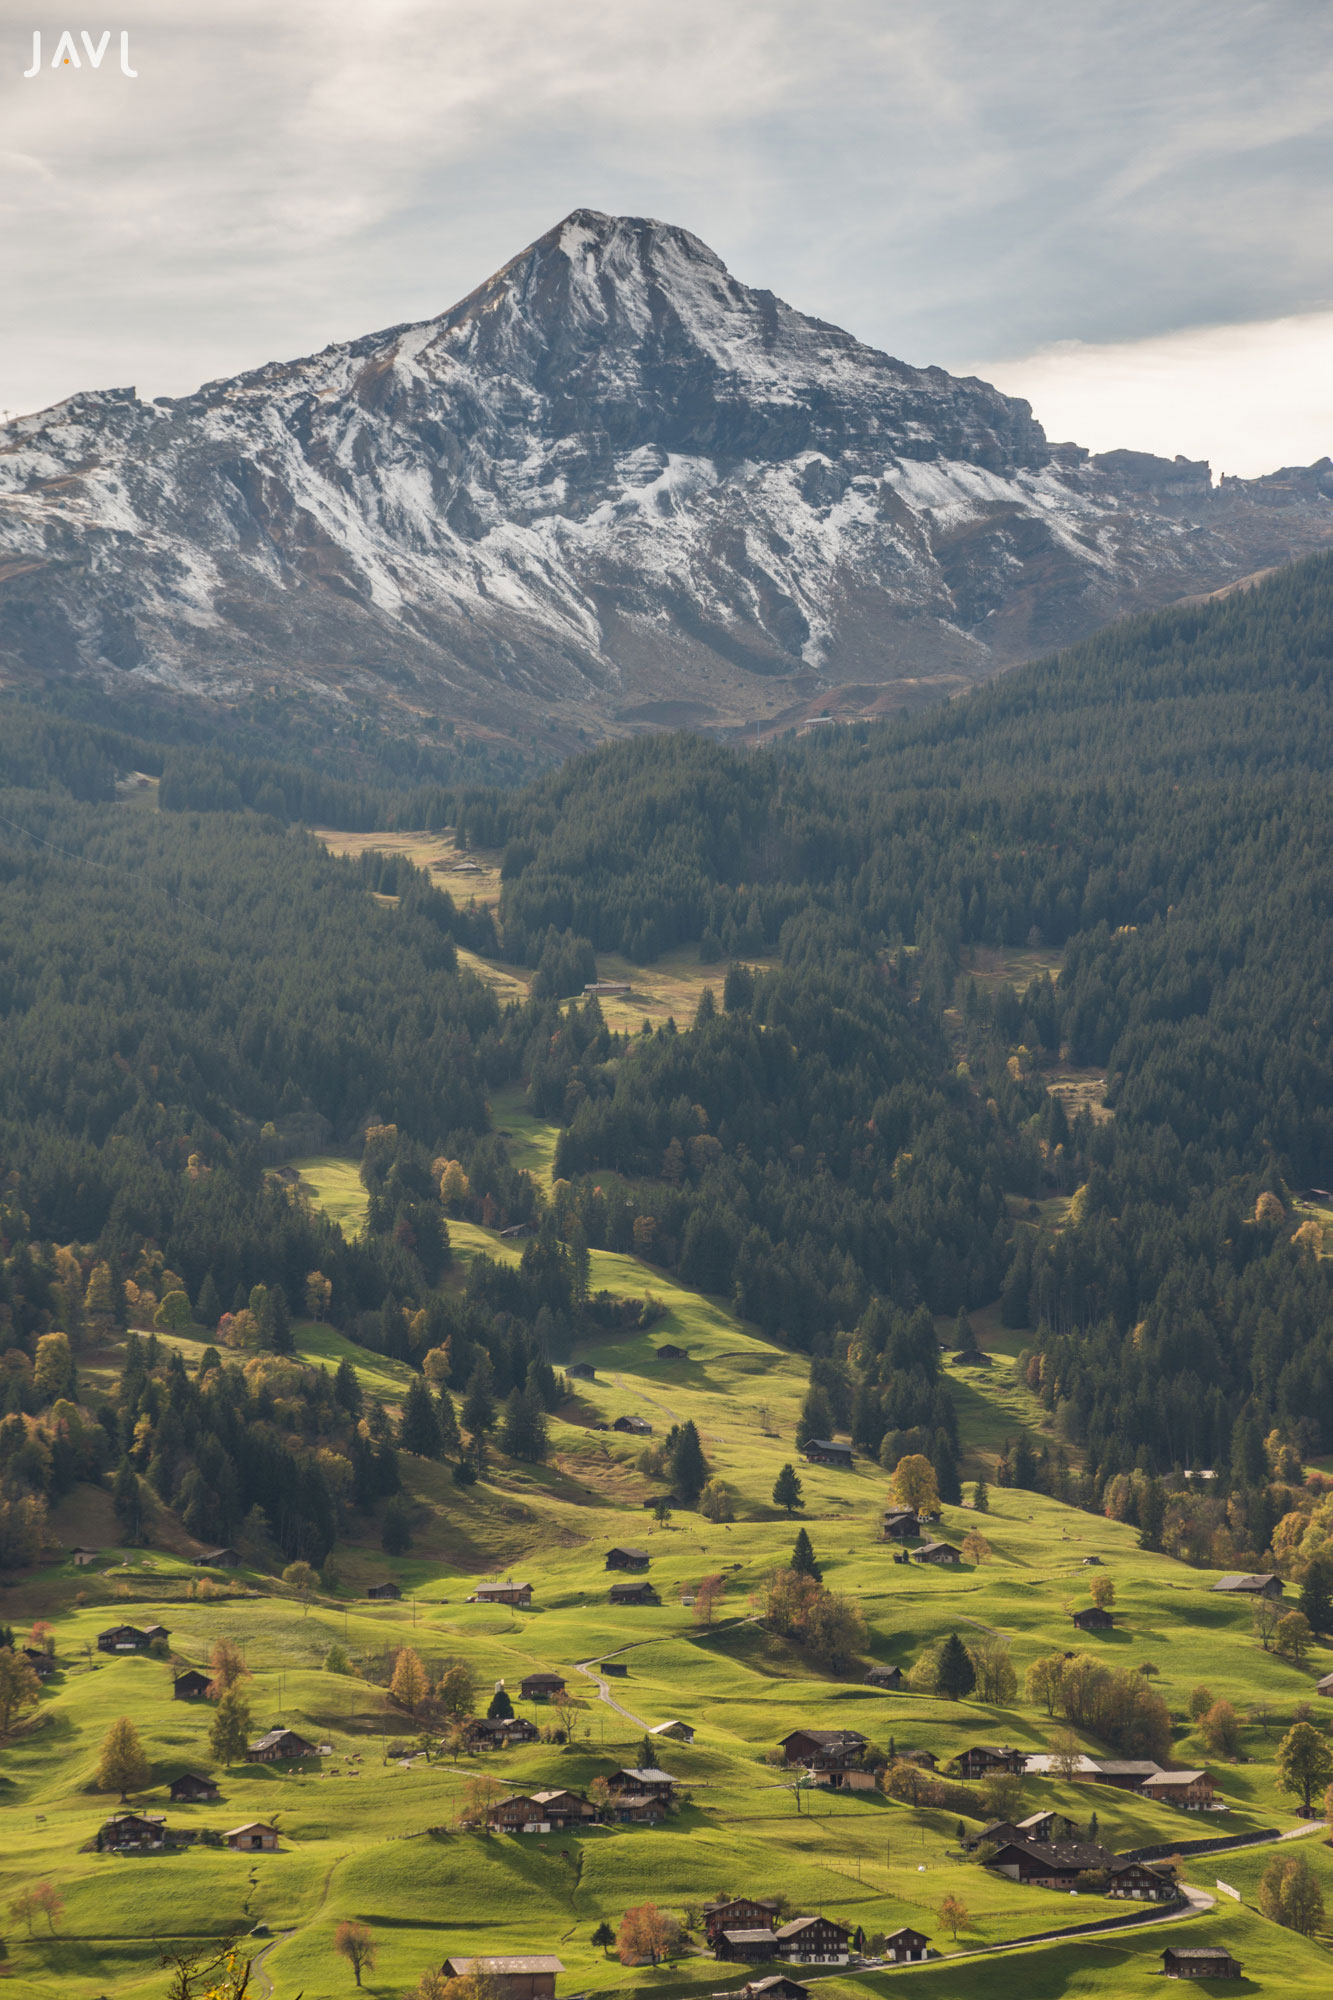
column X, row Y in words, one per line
column 937, row 1549
column 639, row 1555
column 990, row 1750
column 1034, row 1819
column 674, row 1722
column 1174, row 1778
column 646, row 1775
column 776, row 1982
column 194, row 1778
column 279, row 1734
column 560, row 1792
column 1238, row 1580
column 729, row 1902
column 750, row 1936
column 134, row 1819
column 249, row 1826
column 491, row 1589
column 1122, row 1862
column 906, row 1932
column 502, row 1967
column 828, row 1739
column 555, row 1680
column 900, row 1514
column 1211, row 1954
column 799, row 1924
column 637, row 1799
column 828, row 1444
column 1125, row 1767
column 1078, row 1854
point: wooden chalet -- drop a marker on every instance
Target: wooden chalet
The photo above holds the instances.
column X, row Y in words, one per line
column 659, row 1783
column 1264, row 1584
column 132, row 1833
column 901, row 1524
column 639, row 1808
column 816, row 1941
column 777, row 1986
column 541, row 1687
column 131, row 1638
column 383, row 1591
column 1093, row 1619
column 827, row 1451
column 670, row 1352
column 802, row 1746
column 540, row 1812
column 255, row 1837
column 1141, row 1881
column 279, row 1746
column 839, row 1777
column 581, row 1371
column 519, row 1594
column 679, row 1732
column 1199, row 1961
column 925, row 1760
column 1039, row 1826
column 632, row 1559
column 1181, row 1788
column 633, row 1593
column 485, row 1732
column 635, row 1426
column 892, row 1678
column 192, row 1685
column 740, row 1913
column 942, row 1554
column 1324, row 1686
column 748, row 1945
column 191, row 1788
column 1127, row 1774
column 218, row 1559
column 1055, row 1864
column 530, row 1976
column 42, row 1663
column 985, row 1760
column 907, row 1947
column 562, row 1808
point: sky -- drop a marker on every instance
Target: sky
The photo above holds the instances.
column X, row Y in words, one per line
column 1121, row 209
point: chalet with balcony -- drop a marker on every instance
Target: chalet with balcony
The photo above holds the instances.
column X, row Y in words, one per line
column 541, row 1687
column 804, row 1745
column 1053, row 1864
column 660, row 1784
column 987, row 1760
column 816, row 1941
column 1193, row 1789
column 131, row 1638
column 827, row 1451
column 907, row 1947
column 740, row 1913
column 132, row 1833
column 1141, row 1881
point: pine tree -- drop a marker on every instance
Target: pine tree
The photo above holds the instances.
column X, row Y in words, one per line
column 688, row 1466
column 419, row 1428
column 127, row 1501
column 955, row 1674
column 347, row 1388
column 945, row 1461
column 501, row 1707
column 122, row 1766
column 395, row 1530
column 981, row 1497
column 803, row 1557
column 208, row 1308
column 277, row 1323
column 479, row 1401
column 451, row 1442
column 229, row 1731
column 816, row 1418
column 787, row 1489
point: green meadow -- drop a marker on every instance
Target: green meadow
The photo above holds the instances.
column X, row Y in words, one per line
column 370, row 1831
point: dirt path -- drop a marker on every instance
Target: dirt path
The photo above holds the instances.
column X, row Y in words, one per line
column 586, row 1668
column 257, row 1966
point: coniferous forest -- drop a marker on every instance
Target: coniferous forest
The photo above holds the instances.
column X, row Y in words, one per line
column 852, row 1138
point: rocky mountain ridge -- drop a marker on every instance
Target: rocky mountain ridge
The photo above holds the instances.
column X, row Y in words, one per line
column 612, row 488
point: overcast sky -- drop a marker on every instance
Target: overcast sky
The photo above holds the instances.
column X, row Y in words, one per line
column 1122, row 209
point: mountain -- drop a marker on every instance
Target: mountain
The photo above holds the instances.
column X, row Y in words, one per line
column 612, row 488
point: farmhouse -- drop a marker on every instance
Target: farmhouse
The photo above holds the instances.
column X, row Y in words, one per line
column 660, row 1783
column 1053, row 1864
column 751, row 1947
column 1039, row 1826
column 192, row 1685
column 279, row 1746
column 192, row 1789
column 777, row 1986
column 131, row 1832
column 1127, row 1774
column 636, row 1426
column 218, row 1559
column 824, row 1451
column 499, row 1733
column 901, row 1524
column 514, row 1978
column 633, row 1593
column 503, row 1593
column 815, row 1941
column 382, row 1591
column 673, row 1353
column 1093, row 1619
column 984, row 1760
column 1139, row 1882
column 541, row 1687
column 739, row 1913
column 907, row 1947
column 1200, row 1961
column 620, row 1558
column 255, row 1837
column 644, row 1808
column 581, row 1371
column 1265, row 1584
column 42, row 1663
column 1181, row 1788
column 130, row 1638
column 562, row 1808
column 679, row 1732
column 885, row 1677
column 540, row 1812
column 803, row 1745
column 840, row 1777
column 943, row 1554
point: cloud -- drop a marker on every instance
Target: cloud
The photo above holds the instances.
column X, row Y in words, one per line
column 943, row 177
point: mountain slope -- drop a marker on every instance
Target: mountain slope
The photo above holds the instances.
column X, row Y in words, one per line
column 613, row 486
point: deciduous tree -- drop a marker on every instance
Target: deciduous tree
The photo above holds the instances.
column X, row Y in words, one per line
column 645, row 1934
column 355, row 1942
column 410, row 1685
column 122, row 1766
column 915, row 1484
column 19, row 1688
column 229, row 1732
column 1304, row 1761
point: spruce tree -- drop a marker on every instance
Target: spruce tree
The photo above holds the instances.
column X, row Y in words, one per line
column 787, row 1489
column 945, row 1461
column 419, row 1428
column 955, row 1674
column 347, row 1388
column 803, row 1557
column 208, row 1308
column 688, row 1466
column 396, row 1530
column 479, row 1401
column 451, row 1442
column 981, row 1497
column 501, row 1707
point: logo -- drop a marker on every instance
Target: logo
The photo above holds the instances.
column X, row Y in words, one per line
column 67, row 55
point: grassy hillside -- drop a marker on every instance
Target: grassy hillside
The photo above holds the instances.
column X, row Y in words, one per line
column 378, row 1845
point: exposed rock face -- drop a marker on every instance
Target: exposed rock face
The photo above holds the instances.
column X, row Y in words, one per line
column 613, row 486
